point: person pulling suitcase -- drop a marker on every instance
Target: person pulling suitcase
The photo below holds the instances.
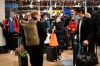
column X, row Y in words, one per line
column 22, row 53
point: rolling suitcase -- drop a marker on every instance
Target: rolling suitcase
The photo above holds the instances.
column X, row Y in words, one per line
column 23, row 61
column 51, row 53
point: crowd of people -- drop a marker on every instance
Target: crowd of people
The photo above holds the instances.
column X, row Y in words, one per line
column 33, row 28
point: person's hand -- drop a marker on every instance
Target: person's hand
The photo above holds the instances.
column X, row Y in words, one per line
column 85, row 42
column 68, row 28
column 7, row 25
column 22, row 49
column 75, row 37
column 73, row 29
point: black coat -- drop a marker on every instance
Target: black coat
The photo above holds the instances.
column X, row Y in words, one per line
column 60, row 32
column 86, row 30
column 96, row 22
column 41, row 32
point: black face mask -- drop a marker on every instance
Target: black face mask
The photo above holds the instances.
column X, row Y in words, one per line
column 72, row 20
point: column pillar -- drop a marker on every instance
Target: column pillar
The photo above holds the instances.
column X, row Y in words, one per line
column 2, row 10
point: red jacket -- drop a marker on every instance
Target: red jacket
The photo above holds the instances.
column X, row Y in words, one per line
column 72, row 26
column 16, row 25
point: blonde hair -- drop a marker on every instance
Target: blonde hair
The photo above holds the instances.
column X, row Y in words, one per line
column 34, row 12
column 88, row 15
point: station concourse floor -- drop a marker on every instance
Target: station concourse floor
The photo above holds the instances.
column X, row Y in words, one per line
column 66, row 60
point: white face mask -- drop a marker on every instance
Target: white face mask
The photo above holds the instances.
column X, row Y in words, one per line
column 58, row 20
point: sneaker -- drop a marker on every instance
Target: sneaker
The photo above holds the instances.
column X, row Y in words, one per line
column 70, row 48
column 12, row 52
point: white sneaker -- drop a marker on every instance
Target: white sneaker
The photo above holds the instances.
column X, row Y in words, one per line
column 12, row 52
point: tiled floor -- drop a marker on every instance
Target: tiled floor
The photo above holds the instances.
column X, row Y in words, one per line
column 66, row 60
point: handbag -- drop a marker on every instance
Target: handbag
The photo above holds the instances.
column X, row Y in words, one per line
column 53, row 40
column 87, row 59
column 83, row 60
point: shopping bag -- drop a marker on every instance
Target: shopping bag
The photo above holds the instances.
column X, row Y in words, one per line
column 47, row 41
column 53, row 40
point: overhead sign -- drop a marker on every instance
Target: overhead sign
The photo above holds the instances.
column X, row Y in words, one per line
column 67, row 11
column 7, row 5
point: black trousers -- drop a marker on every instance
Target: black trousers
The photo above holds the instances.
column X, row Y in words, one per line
column 11, row 41
column 36, row 55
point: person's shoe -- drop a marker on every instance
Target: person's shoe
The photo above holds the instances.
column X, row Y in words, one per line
column 12, row 52
column 59, row 58
column 70, row 48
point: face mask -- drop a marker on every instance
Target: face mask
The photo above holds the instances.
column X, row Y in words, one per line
column 77, row 17
column 46, row 18
column 73, row 20
column 58, row 20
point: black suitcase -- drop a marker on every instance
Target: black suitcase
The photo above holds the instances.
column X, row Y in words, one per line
column 51, row 53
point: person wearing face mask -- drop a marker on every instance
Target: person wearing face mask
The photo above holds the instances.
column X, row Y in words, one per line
column 12, row 27
column 60, row 32
column 58, row 20
column 72, row 27
column 85, row 30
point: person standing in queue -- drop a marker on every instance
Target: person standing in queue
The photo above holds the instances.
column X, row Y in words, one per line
column 35, row 36
column 12, row 27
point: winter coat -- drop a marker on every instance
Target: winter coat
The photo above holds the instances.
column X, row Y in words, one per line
column 86, row 30
column 96, row 24
column 34, row 32
column 2, row 39
column 73, row 26
column 60, row 32
column 46, row 24
column 16, row 25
